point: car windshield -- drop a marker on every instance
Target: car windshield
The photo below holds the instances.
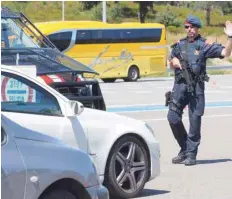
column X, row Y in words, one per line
column 18, row 32
column 15, row 34
column 46, row 60
column 23, row 43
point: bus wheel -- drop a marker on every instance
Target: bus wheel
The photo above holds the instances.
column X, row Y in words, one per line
column 133, row 74
column 109, row 80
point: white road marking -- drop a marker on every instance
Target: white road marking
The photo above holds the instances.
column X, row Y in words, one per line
column 205, row 116
column 140, row 92
column 111, row 92
column 164, row 87
column 216, row 91
column 224, row 87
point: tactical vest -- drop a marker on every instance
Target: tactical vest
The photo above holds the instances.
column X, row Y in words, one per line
column 193, row 54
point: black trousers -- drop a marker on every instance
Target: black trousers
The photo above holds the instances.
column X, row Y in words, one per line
column 190, row 141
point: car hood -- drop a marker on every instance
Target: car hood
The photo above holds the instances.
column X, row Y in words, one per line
column 106, row 118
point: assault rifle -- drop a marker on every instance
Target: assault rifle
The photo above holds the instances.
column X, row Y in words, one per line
column 187, row 74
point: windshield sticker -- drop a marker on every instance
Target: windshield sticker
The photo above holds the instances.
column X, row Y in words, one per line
column 14, row 90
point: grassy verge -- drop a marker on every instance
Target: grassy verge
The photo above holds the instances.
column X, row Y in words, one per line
column 210, row 72
column 220, row 72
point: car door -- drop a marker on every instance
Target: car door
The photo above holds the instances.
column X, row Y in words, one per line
column 13, row 170
column 33, row 107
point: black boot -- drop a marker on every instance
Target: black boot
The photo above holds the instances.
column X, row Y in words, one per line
column 190, row 160
column 179, row 159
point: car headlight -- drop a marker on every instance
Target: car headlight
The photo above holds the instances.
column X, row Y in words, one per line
column 150, row 128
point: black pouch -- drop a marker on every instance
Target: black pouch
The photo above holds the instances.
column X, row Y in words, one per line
column 200, row 98
column 196, row 68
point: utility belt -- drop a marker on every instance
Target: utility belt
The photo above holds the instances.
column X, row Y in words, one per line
column 179, row 78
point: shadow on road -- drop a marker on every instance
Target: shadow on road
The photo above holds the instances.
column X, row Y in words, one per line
column 151, row 192
column 213, row 161
column 147, row 192
column 159, row 79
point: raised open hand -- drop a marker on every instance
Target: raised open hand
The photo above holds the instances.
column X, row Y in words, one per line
column 228, row 28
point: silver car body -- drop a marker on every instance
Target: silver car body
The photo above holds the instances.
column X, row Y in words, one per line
column 93, row 131
column 32, row 162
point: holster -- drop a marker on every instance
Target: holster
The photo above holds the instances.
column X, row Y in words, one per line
column 167, row 97
column 172, row 103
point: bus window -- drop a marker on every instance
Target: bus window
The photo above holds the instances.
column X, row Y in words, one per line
column 105, row 36
column 83, row 36
column 141, row 35
column 118, row 36
column 61, row 40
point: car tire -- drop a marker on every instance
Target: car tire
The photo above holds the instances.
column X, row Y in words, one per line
column 133, row 74
column 59, row 194
column 127, row 168
column 109, row 80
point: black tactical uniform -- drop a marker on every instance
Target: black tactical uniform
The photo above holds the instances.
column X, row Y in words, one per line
column 196, row 54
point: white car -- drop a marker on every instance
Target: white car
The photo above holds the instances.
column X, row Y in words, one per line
column 37, row 166
column 125, row 150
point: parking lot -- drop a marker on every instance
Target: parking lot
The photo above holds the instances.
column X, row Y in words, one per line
column 211, row 177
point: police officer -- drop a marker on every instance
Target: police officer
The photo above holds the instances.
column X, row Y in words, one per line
column 194, row 50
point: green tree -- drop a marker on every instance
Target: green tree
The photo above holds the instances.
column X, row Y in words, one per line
column 226, row 7
column 207, row 6
column 168, row 18
column 143, row 9
column 115, row 13
column 88, row 5
column 96, row 13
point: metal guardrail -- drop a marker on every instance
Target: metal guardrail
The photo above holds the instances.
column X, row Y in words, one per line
column 169, row 70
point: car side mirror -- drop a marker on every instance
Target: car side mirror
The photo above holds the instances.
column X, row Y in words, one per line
column 74, row 108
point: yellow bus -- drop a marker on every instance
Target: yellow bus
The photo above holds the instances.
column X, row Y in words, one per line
column 127, row 50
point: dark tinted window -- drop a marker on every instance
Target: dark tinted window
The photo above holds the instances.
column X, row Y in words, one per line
column 105, row 36
column 61, row 40
column 84, row 36
column 118, row 36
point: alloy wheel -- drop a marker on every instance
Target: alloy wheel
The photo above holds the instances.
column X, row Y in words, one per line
column 130, row 167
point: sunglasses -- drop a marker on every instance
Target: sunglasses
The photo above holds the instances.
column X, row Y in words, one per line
column 187, row 27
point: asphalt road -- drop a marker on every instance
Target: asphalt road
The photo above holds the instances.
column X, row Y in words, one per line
column 211, row 177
